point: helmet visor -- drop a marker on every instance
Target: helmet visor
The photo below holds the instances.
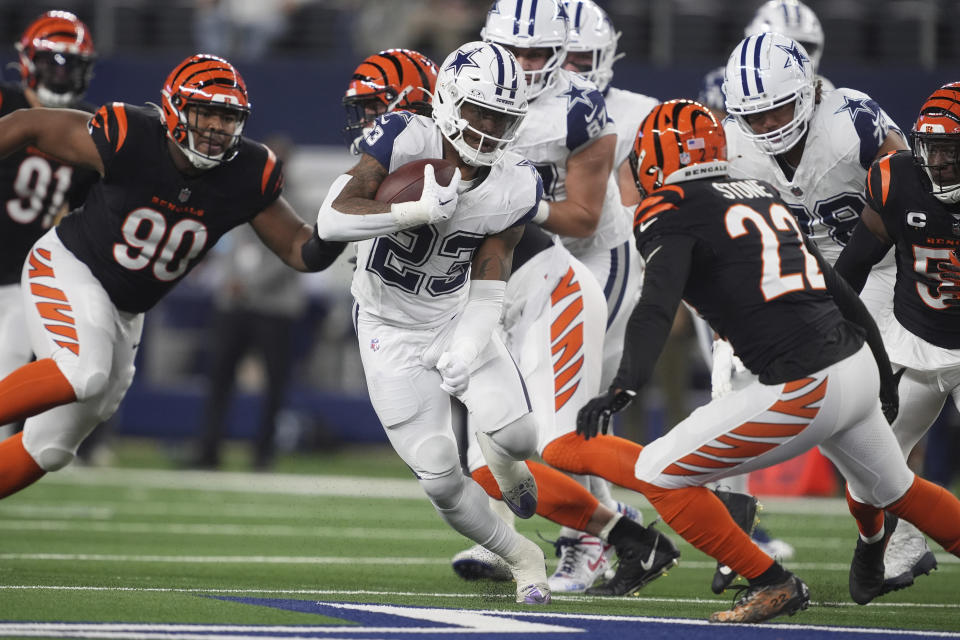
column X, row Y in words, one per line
column 939, row 155
column 62, row 72
column 214, row 129
column 488, row 130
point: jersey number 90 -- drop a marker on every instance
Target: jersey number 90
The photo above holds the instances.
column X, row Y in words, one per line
column 149, row 242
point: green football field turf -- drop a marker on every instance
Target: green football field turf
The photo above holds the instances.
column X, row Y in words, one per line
column 151, row 546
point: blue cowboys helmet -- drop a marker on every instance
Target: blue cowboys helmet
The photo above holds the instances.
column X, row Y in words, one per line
column 480, row 101
column 793, row 19
column 765, row 72
column 591, row 31
column 530, row 24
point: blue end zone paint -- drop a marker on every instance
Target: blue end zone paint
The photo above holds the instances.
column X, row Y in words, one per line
column 566, row 626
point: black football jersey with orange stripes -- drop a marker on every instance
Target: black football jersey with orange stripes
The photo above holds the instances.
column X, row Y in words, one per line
column 146, row 224
column 750, row 275
column 924, row 231
column 33, row 189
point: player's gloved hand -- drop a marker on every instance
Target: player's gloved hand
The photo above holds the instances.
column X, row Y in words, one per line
column 889, row 395
column 725, row 365
column 454, row 368
column 436, row 203
column 595, row 416
column 949, row 288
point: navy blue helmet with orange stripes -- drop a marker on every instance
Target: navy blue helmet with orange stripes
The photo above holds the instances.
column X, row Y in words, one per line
column 205, row 105
column 936, row 141
column 392, row 79
column 679, row 140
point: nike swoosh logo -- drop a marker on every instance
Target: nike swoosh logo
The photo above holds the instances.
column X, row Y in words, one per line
column 593, row 566
column 648, row 563
column 646, row 225
column 446, row 202
column 653, row 253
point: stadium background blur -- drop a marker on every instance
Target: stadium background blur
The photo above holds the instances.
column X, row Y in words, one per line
column 897, row 51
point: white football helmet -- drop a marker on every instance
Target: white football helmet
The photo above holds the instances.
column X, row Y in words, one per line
column 480, row 81
column 764, row 72
column 591, row 31
column 530, row 24
column 793, row 19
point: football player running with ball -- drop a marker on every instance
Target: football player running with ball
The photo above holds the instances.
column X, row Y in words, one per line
column 429, row 290
column 174, row 179
column 707, row 238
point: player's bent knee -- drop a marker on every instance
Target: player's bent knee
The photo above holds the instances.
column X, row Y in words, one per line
column 518, row 439
column 87, row 382
column 52, row 458
column 446, row 490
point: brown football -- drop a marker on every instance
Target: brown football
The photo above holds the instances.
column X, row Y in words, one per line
column 405, row 184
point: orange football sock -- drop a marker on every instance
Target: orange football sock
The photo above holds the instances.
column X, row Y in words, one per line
column 560, row 498
column 32, row 389
column 702, row 520
column 869, row 518
column 608, row 457
column 934, row 510
column 17, row 468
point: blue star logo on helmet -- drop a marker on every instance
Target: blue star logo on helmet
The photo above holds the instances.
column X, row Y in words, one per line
column 463, row 59
column 795, row 53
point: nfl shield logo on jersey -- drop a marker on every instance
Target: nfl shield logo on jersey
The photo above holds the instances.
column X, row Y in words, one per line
column 184, row 195
column 375, row 344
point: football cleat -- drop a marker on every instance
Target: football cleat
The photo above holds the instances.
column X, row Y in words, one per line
column 529, row 569
column 743, row 510
column 907, row 556
column 639, row 564
column 582, row 560
column 479, row 563
column 760, row 603
column 866, row 568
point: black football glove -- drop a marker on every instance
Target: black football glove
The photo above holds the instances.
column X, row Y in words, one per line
column 890, row 396
column 595, row 416
column 949, row 288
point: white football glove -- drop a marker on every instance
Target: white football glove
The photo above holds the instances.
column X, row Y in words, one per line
column 725, row 364
column 454, row 368
column 436, row 203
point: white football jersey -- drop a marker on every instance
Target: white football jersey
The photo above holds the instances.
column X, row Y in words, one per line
column 563, row 119
column 826, row 192
column 628, row 109
column 419, row 277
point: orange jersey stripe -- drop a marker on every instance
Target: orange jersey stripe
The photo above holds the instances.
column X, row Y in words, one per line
column 696, row 460
column 267, row 170
column 562, row 398
column 884, row 165
column 61, row 330
column 796, row 385
column 568, row 346
column 121, row 115
column 740, row 448
column 565, row 319
column 54, row 311
column 768, row 429
column 566, row 375
column 565, row 287
column 800, row 406
column 44, row 291
column 73, row 346
column 37, row 268
column 677, row 470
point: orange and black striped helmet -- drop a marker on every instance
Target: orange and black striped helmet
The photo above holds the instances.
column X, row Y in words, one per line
column 393, row 79
column 56, row 58
column 204, row 80
column 679, row 140
column 936, row 141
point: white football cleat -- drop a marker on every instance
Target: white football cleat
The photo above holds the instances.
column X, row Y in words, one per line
column 479, row 563
column 582, row 560
column 530, row 571
column 907, row 556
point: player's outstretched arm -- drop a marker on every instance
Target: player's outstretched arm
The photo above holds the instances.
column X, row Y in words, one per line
column 294, row 242
column 588, row 171
column 62, row 133
column 868, row 244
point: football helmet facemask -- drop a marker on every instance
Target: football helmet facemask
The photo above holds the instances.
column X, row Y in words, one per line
column 764, row 72
column 936, row 141
column 530, row 24
column 205, row 83
column 793, row 19
column 590, row 31
column 393, row 79
column 480, row 101
column 56, row 58
column 679, row 140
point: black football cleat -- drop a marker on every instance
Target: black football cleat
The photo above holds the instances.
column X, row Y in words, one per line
column 639, row 564
column 866, row 568
column 743, row 510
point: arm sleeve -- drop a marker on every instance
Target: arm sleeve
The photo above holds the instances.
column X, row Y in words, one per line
column 319, row 254
column 649, row 325
column 857, row 258
column 853, row 310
